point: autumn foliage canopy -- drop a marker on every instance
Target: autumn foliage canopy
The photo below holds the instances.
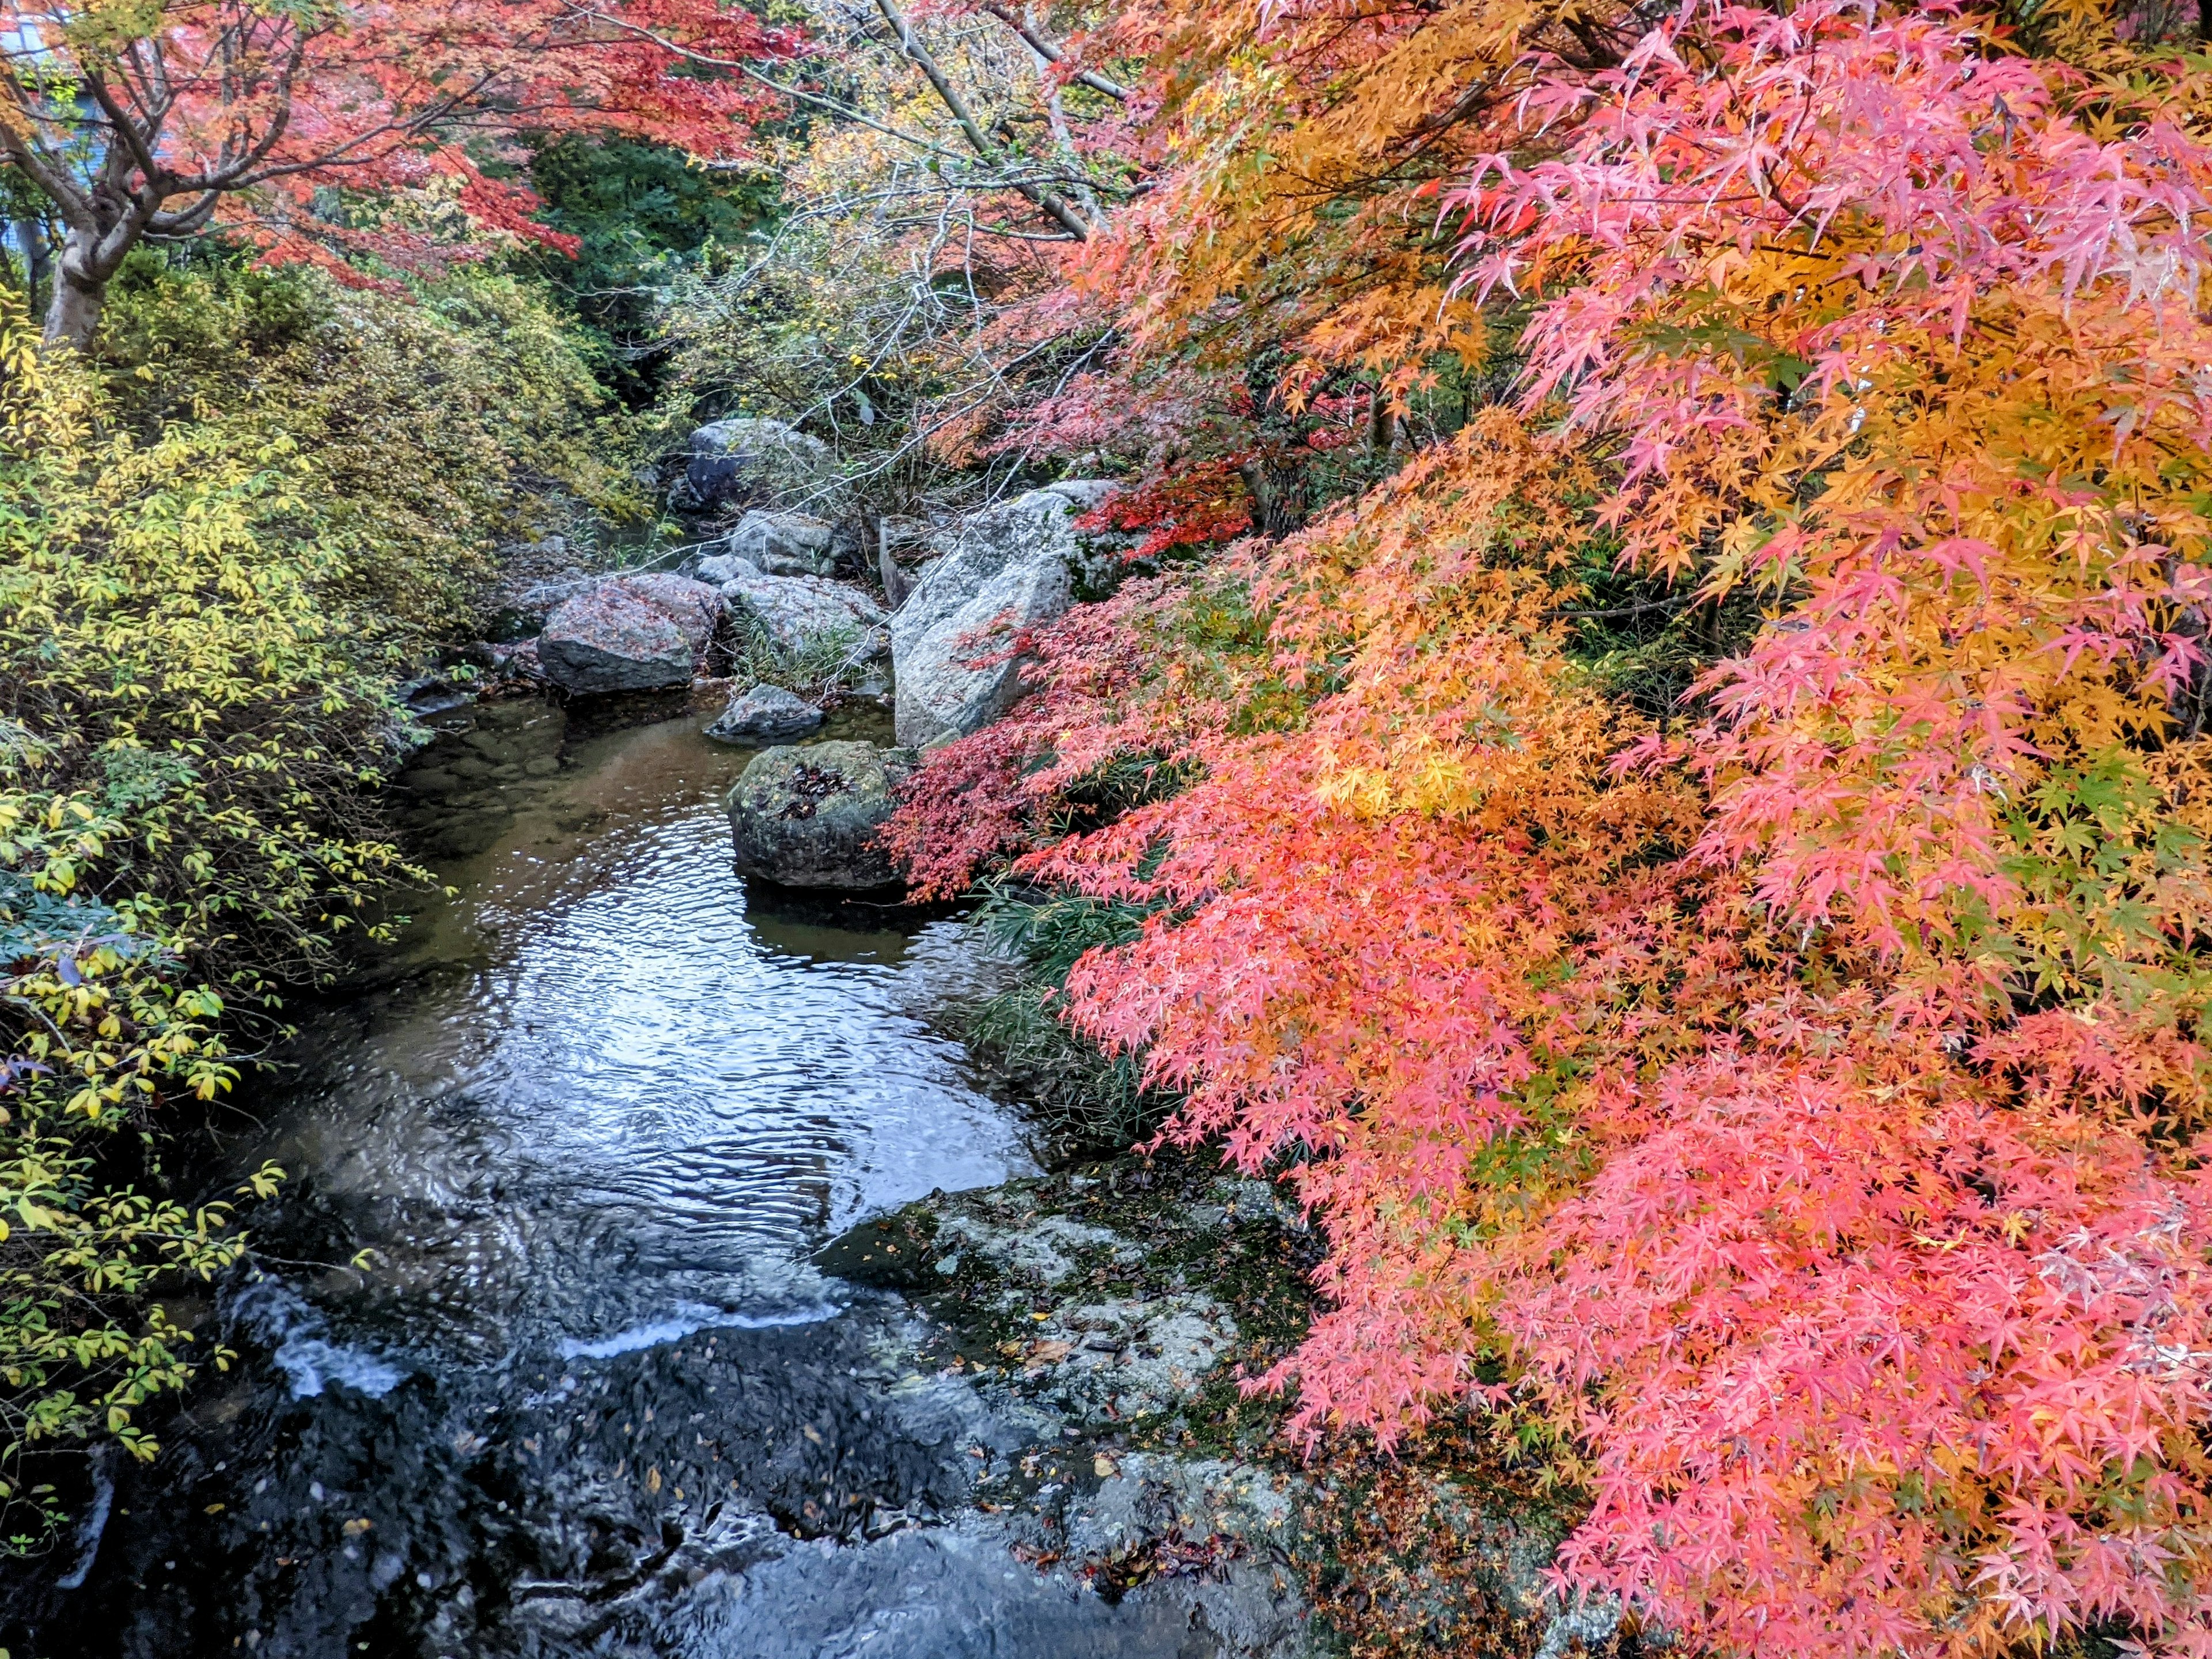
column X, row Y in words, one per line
column 1791, row 1100
column 340, row 133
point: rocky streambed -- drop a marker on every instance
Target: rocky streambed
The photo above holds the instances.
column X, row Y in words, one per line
column 608, row 1309
column 655, row 1275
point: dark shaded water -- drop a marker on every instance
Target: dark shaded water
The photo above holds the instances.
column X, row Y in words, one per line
column 534, row 1363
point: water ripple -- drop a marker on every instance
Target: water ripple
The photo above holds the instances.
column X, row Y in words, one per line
column 617, row 1093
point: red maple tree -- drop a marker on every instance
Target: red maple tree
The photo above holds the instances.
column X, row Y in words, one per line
column 162, row 121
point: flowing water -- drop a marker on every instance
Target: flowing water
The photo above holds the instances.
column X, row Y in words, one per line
column 533, row 1361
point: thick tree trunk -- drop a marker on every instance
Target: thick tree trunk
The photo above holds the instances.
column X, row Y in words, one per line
column 90, row 257
column 73, row 314
column 1382, row 420
column 1279, row 494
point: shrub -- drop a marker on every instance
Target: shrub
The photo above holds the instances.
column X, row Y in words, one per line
column 207, row 574
column 1087, row 1100
column 440, row 422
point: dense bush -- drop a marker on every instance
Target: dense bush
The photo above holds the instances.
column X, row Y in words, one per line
column 440, row 422
column 1765, row 1051
column 221, row 539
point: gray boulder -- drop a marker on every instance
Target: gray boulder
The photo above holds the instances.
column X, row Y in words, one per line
column 630, row 634
column 722, row 567
column 798, row 613
column 766, row 715
column 1006, row 569
column 733, row 463
column 786, row 544
column 807, row 817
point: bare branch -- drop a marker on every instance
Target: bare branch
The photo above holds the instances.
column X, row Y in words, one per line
column 1065, row 217
column 1052, row 54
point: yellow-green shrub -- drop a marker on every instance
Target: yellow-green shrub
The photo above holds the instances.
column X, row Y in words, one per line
column 217, row 541
column 441, row 422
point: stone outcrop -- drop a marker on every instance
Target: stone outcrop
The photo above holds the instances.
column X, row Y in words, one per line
column 721, row 567
column 1009, row 568
column 630, row 634
column 766, row 715
column 785, row 543
column 807, row 817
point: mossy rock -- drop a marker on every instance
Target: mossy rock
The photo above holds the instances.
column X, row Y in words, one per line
column 806, row 816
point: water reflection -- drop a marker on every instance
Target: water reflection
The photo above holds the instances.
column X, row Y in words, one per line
column 602, row 1083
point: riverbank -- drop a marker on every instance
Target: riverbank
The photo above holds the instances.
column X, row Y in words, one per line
column 658, row 1276
column 1121, row 1303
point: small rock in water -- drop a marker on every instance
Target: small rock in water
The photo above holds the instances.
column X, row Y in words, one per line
column 808, row 817
column 766, row 715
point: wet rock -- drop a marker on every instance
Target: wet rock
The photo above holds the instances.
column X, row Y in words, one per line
column 436, row 693
column 735, row 462
column 1213, row 1535
column 807, row 817
column 766, row 715
column 786, row 544
column 1006, row 569
column 630, row 634
column 809, row 614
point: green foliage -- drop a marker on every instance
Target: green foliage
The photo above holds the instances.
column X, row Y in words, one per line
column 78, row 1357
column 640, row 213
column 440, row 424
column 1088, row 1100
column 190, row 698
column 221, row 538
column 830, row 660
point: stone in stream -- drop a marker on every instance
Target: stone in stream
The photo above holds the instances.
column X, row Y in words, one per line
column 807, row 817
column 1008, row 568
column 785, row 543
column 630, row 634
column 766, row 715
column 802, row 613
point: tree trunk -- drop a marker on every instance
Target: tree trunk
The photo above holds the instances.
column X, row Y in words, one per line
column 88, row 261
column 1382, row 420
column 1278, row 497
column 73, row 314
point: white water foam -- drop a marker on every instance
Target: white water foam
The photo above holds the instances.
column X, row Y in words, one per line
column 299, row 1343
column 688, row 1319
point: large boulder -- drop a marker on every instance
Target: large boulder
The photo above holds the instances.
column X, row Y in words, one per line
column 630, row 634
column 738, row 462
column 764, row 715
column 1006, row 569
column 785, row 543
column 807, row 817
column 799, row 613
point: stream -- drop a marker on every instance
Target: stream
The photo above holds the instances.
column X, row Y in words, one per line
column 533, row 1361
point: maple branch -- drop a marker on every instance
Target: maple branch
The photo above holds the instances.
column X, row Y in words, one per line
column 820, row 100
column 1052, row 54
column 140, row 152
column 1065, row 217
column 29, row 156
column 1675, row 602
